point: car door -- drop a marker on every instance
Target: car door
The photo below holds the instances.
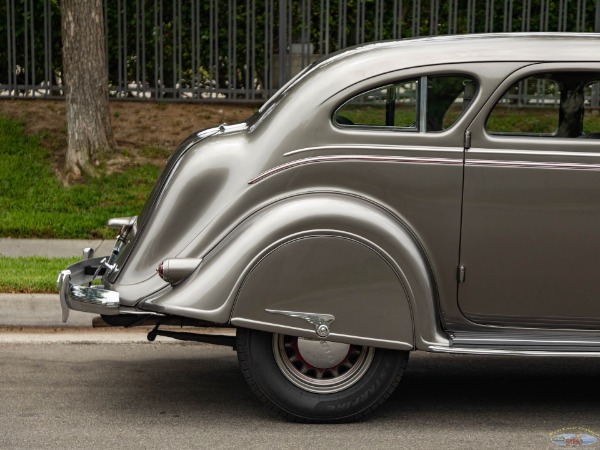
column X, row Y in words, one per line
column 530, row 234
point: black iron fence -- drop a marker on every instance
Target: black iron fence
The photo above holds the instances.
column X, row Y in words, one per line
column 243, row 50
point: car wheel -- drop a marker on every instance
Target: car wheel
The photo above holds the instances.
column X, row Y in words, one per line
column 310, row 380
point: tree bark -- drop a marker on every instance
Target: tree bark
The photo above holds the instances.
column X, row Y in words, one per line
column 86, row 79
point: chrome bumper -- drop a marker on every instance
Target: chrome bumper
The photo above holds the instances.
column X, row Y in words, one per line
column 77, row 293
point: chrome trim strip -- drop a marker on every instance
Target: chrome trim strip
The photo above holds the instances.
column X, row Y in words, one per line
column 379, row 148
column 488, row 351
column 535, row 152
column 531, row 164
column 497, row 341
column 354, row 158
column 422, row 160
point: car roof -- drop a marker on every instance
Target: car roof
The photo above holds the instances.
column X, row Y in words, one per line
column 364, row 61
column 478, row 47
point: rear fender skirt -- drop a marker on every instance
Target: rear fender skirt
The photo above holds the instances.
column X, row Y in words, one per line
column 327, row 287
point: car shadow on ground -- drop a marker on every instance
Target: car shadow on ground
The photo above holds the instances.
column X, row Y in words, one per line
column 477, row 389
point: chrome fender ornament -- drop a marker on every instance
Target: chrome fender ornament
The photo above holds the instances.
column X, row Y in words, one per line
column 320, row 321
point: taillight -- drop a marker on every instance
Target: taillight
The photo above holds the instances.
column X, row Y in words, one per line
column 175, row 270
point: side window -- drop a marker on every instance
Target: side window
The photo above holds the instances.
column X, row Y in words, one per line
column 558, row 104
column 394, row 106
column 399, row 106
column 529, row 107
column 447, row 98
column 591, row 111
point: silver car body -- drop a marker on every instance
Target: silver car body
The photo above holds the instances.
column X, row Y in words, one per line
column 456, row 240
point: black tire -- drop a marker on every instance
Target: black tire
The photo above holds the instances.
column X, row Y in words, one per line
column 300, row 392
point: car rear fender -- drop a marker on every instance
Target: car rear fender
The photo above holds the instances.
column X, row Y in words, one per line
column 322, row 254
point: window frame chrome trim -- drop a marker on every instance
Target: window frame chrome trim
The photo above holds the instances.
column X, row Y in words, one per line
column 422, row 109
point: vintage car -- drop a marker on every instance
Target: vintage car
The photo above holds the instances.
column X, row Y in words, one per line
column 438, row 194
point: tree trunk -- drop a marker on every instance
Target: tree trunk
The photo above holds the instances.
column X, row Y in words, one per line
column 86, row 80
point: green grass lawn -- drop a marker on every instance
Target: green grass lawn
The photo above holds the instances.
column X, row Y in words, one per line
column 35, row 204
column 31, row 274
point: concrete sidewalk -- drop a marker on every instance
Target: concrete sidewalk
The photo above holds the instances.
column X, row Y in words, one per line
column 43, row 310
column 53, row 248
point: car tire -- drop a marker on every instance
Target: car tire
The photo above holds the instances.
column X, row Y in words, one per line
column 344, row 382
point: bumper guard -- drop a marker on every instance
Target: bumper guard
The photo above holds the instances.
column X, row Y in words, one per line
column 77, row 293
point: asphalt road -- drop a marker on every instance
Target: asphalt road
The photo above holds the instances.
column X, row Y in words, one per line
column 59, row 392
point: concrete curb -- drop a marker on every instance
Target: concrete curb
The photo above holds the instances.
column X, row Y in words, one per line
column 38, row 310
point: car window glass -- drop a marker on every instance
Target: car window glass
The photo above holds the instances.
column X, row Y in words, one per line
column 560, row 104
column 447, row 98
column 591, row 112
column 398, row 106
column 389, row 106
column 529, row 107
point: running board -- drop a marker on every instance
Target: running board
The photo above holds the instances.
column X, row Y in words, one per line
column 519, row 342
column 511, row 352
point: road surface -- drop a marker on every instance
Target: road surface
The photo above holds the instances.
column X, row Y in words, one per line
column 119, row 391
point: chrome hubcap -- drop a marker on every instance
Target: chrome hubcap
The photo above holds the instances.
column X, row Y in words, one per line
column 322, row 354
column 320, row 366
